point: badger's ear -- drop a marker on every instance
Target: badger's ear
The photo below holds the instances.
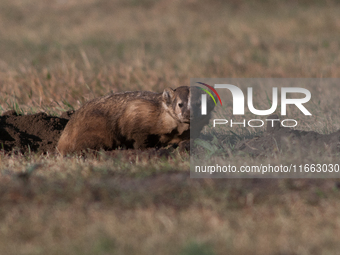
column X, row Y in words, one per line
column 168, row 95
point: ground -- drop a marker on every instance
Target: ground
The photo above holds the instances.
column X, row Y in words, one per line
column 56, row 55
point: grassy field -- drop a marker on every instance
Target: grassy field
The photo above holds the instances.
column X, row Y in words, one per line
column 56, row 55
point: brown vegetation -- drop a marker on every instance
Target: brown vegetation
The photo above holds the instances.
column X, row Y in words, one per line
column 57, row 55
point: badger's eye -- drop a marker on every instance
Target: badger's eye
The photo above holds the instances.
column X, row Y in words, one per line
column 180, row 105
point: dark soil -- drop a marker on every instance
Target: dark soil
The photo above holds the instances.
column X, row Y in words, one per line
column 38, row 132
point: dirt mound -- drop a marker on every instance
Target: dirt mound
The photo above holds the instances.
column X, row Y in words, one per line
column 36, row 132
column 283, row 139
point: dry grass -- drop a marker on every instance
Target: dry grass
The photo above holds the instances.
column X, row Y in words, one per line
column 55, row 55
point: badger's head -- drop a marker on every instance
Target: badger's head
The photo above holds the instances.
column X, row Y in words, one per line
column 178, row 103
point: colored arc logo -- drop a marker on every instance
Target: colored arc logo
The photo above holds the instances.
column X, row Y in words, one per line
column 211, row 88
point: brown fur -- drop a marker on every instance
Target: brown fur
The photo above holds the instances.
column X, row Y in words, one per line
column 129, row 120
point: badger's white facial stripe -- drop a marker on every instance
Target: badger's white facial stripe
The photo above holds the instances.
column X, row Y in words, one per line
column 189, row 101
column 178, row 109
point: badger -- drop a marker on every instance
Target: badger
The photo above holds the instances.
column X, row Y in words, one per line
column 137, row 120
